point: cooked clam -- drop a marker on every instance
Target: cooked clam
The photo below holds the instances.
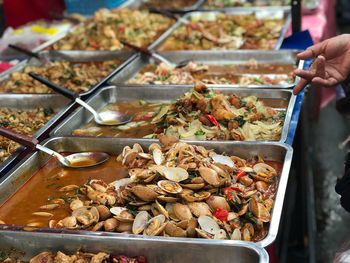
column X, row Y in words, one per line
column 140, row 222
column 170, row 187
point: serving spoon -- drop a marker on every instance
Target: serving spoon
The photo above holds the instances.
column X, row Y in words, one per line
column 75, row 160
column 103, row 118
column 30, row 53
column 155, row 55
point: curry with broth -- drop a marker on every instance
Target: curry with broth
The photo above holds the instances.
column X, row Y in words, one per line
column 250, row 73
column 177, row 189
column 200, row 114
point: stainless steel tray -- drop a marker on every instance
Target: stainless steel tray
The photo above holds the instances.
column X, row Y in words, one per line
column 24, row 246
column 75, row 56
column 137, row 3
column 233, row 11
column 58, row 103
column 153, row 93
column 217, row 57
column 31, row 164
column 309, row 6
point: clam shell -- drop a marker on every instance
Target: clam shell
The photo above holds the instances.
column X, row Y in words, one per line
column 144, row 193
column 182, row 211
column 158, row 156
column 199, row 209
column 155, row 225
column 221, row 234
column 140, row 222
column 208, row 224
column 218, row 158
column 170, row 187
column 121, row 214
column 236, row 235
column 175, row 174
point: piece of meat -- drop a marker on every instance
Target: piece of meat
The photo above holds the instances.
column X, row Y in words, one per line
column 201, row 105
column 257, row 116
column 62, row 258
column 222, row 115
column 200, row 87
column 220, row 136
column 232, row 124
column 43, row 257
column 204, row 121
column 236, row 135
column 99, row 258
column 171, row 121
column 235, row 101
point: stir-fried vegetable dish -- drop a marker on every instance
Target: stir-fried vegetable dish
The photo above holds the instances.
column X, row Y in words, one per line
column 176, row 190
column 251, row 73
column 201, row 114
column 78, row 257
column 225, row 31
column 245, row 3
column 169, row 4
column 26, row 122
column 79, row 77
column 108, row 27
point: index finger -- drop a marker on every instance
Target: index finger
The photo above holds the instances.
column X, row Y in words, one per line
column 312, row 51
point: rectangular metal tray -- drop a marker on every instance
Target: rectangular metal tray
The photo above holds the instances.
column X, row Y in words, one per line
column 309, row 6
column 231, row 11
column 58, row 103
column 216, row 57
column 267, row 150
column 134, row 4
column 25, row 245
column 75, row 56
column 81, row 117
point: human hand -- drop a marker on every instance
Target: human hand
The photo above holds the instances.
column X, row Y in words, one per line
column 331, row 65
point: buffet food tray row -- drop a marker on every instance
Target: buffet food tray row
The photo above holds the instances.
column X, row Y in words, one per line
column 153, row 93
column 214, row 57
column 24, row 245
column 267, row 150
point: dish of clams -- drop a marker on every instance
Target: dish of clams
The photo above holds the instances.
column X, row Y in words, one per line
column 174, row 189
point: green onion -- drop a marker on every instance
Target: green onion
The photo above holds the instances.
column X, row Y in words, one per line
column 195, row 94
column 259, row 80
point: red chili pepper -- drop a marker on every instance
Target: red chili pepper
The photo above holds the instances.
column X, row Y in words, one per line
column 221, row 214
column 94, row 44
column 254, row 108
column 164, row 72
column 159, row 131
column 121, row 29
column 212, row 119
column 150, row 115
column 226, row 191
column 227, row 108
column 240, row 174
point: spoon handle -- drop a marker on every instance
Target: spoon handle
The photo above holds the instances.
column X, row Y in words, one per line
column 63, row 91
column 24, row 51
column 20, row 138
column 140, row 49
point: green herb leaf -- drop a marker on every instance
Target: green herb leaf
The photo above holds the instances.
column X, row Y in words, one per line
column 199, row 132
column 240, row 120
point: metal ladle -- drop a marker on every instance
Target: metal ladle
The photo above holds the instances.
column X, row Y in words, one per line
column 75, row 160
column 102, row 118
